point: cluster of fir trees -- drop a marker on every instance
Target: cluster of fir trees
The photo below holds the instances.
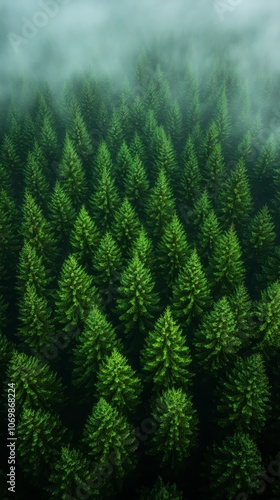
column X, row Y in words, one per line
column 140, row 271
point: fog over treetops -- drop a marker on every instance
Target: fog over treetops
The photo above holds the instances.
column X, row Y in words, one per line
column 54, row 38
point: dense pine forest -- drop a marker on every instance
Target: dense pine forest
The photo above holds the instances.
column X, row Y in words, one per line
column 140, row 282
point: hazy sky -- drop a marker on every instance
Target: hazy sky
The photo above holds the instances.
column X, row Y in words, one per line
column 53, row 38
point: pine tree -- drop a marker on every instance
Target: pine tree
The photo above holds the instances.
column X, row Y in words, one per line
column 173, row 250
column 97, row 340
column 124, row 162
column 41, row 435
column 143, row 247
column 81, row 141
column 222, row 119
column 268, row 315
column 61, row 212
column 191, row 292
column 235, row 467
column 37, row 386
column 242, row 308
column 84, row 238
column 137, row 302
column 35, row 181
column 160, row 206
column 36, row 329
column 209, row 144
column 176, row 434
column 189, row 187
column 261, row 238
column 10, row 160
column 165, row 356
column 136, row 147
column 70, row 471
column 126, row 226
column 244, row 395
column 216, row 340
column 105, row 200
column 72, row 174
column 48, row 141
column 107, row 262
column 226, row 262
column 31, row 270
column 117, row 383
column 110, row 441
column 201, row 210
column 161, row 491
column 163, row 154
column 235, row 199
column 37, row 231
column 215, row 172
column 175, row 126
column 209, row 232
column 264, row 169
column 75, row 294
column 136, row 186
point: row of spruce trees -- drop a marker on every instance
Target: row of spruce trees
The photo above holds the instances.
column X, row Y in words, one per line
column 140, row 293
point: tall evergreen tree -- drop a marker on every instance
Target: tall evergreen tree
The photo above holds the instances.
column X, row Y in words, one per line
column 126, row 226
column 118, row 383
column 173, row 250
column 235, row 467
column 165, row 356
column 244, row 395
column 176, row 434
column 62, row 213
column 105, row 199
column 97, row 340
column 216, row 340
column 84, row 238
column 138, row 301
column 75, row 294
column 72, row 174
column 226, row 262
column 136, row 186
column 109, row 439
column 191, row 292
column 160, row 206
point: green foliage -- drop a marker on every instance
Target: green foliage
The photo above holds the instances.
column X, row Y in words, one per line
column 84, row 238
column 261, row 234
column 72, row 174
column 209, row 233
column 107, row 262
column 137, row 301
column 176, row 434
column 31, row 270
column 48, row 140
column 70, row 471
column 136, row 186
column 35, row 181
column 36, row 328
column 81, row 140
column 191, row 292
column 236, row 466
column 268, row 315
column 109, row 438
column 216, row 341
column 41, row 435
column 61, row 212
column 37, row 386
column 244, row 395
column 165, row 357
column 173, row 250
column 221, row 118
column 235, row 200
column 105, row 200
column 124, row 164
column 161, row 205
column 117, row 383
column 189, row 185
column 226, row 261
column 126, row 226
column 96, row 341
column 161, row 491
column 75, row 294
column 37, row 231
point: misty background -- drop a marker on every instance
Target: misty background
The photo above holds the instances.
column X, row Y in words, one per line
column 105, row 36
